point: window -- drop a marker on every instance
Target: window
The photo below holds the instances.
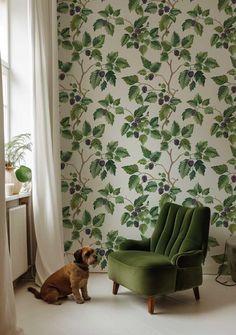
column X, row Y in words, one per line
column 4, row 46
column 5, row 82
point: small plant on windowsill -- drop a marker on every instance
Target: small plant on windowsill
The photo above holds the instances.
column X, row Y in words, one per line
column 15, row 151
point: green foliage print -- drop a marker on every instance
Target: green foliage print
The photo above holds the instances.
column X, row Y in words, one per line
column 147, row 116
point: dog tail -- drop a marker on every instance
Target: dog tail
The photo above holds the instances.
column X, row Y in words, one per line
column 35, row 292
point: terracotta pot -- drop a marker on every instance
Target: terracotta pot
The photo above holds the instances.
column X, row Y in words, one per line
column 10, row 177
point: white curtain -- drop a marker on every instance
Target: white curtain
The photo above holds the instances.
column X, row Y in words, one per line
column 7, row 304
column 46, row 138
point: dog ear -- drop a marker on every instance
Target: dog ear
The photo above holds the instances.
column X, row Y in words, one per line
column 78, row 256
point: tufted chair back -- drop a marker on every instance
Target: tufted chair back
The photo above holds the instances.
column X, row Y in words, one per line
column 180, row 229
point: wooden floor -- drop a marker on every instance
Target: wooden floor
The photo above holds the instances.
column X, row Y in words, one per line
column 126, row 313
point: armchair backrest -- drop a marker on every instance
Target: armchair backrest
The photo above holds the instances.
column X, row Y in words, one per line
column 181, row 229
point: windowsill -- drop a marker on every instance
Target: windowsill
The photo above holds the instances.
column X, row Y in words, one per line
column 17, row 196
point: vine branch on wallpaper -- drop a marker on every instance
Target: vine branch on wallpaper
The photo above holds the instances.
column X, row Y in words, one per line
column 81, row 242
column 163, row 167
column 66, row 178
column 128, row 110
column 172, row 73
column 173, row 161
column 77, row 211
column 74, row 77
column 77, row 30
column 77, row 171
column 65, row 89
column 83, row 162
column 217, row 21
column 162, row 76
column 166, row 32
column 71, row 164
column 83, row 73
column 129, row 22
column 218, row 200
column 76, row 123
column 152, row 87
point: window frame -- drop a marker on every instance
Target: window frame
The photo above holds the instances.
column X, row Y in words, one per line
column 6, row 72
column 6, row 99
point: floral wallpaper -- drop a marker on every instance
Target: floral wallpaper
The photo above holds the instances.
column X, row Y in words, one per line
column 147, row 104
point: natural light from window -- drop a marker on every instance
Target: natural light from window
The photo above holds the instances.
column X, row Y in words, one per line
column 4, row 37
column 4, row 30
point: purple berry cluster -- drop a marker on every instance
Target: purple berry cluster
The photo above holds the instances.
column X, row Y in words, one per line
column 135, row 36
column 224, row 126
column 233, row 89
column 225, row 37
column 135, row 125
column 87, row 52
column 163, row 98
column 74, row 97
column 144, row 178
column 163, row 8
column 163, row 188
column 74, row 9
column 176, row 52
column 102, row 162
column 74, row 187
column 135, row 213
column 233, row 178
column 224, row 213
column 176, row 141
column 62, row 76
column 102, row 73
column 87, row 231
column 151, row 76
column 101, row 252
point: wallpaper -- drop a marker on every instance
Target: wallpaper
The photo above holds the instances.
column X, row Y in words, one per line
column 147, row 104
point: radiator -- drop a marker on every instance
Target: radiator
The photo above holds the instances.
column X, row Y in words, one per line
column 18, row 240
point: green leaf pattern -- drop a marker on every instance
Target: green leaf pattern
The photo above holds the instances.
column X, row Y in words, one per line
column 147, row 107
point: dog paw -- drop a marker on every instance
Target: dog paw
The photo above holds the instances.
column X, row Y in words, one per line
column 87, row 298
column 79, row 301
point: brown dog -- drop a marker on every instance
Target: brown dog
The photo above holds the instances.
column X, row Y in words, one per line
column 71, row 278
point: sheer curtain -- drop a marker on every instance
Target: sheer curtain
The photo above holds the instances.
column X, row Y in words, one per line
column 7, row 304
column 46, row 152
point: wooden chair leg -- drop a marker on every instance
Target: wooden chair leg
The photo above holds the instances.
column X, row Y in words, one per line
column 196, row 293
column 115, row 288
column 151, row 304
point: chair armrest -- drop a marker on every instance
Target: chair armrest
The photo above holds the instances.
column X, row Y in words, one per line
column 188, row 259
column 135, row 245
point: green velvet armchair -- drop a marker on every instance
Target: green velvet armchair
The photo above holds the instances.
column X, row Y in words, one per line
column 170, row 260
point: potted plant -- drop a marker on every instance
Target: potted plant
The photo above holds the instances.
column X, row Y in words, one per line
column 15, row 150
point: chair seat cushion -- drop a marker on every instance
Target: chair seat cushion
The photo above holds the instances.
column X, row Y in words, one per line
column 144, row 259
column 143, row 272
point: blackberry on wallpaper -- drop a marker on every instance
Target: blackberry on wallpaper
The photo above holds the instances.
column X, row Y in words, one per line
column 147, row 103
